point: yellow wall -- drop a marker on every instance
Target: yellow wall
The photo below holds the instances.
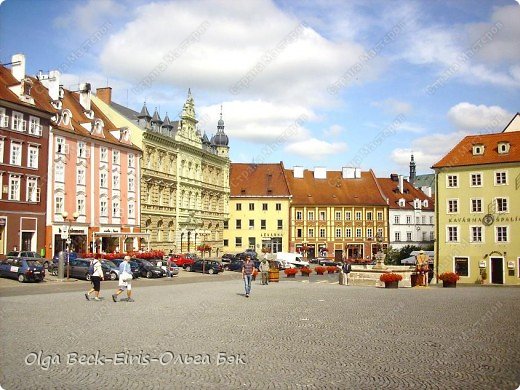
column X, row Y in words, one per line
column 464, row 219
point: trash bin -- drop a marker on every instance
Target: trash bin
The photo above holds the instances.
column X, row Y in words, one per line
column 274, row 275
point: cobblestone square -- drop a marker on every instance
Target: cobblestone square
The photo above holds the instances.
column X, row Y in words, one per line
column 292, row 334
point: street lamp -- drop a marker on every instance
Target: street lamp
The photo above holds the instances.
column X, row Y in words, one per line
column 380, row 256
column 75, row 216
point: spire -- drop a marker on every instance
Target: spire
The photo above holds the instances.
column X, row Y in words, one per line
column 220, row 125
column 144, row 113
column 412, row 170
column 188, row 110
column 167, row 123
column 220, row 139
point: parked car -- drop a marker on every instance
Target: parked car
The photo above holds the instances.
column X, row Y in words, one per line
column 235, row 265
column 210, row 266
column 149, row 270
column 133, row 266
column 243, row 255
column 23, row 269
column 114, row 269
column 79, row 269
column 182, row 260
column 328, row 262
column 72, row 256
column 227, row 257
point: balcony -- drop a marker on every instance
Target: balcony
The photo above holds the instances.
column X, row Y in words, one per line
column 35, row 129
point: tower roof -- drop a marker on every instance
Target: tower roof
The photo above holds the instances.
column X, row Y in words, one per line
column 144, row 112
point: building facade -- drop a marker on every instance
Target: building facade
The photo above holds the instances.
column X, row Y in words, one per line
column 184, row 176
column 411, row 213
column 341, row 214
column 478, row 208
column 259, row 209
column 25, row 116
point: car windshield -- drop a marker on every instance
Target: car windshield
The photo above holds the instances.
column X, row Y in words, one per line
column 13, row 253
column 110, row 264
column 34, row 263
column 147, row 263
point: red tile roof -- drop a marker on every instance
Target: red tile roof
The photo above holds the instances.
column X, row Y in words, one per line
column 391, row 189
column 257, row 180
column 462, row 154
column 334, row 190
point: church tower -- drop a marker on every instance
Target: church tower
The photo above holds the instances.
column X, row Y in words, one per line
column 412, row 171
column 221, row 140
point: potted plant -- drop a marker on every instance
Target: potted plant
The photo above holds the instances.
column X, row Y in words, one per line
column 449, row 279
column 320, row 270
column 255, row 272
column 290, row 272
column 332, row 269
column 306, row 271
column 390, row 279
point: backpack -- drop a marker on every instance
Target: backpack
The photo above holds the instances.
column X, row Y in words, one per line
column 347, row 268
column 91, row 268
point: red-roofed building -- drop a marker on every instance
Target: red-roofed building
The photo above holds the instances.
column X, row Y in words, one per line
column 478, row 207
column 336, row 213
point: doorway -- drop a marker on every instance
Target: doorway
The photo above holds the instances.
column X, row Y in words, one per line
column 497, row 270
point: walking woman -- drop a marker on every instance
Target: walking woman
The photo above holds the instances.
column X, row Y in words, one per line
column 95, row 278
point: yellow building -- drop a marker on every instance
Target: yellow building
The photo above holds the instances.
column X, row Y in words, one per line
column 259, row 209
column 478, row 208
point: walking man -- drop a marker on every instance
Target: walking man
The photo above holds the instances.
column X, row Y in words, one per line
column 95, row 278
column 264, row 269
column 125, row 278
column 247, row 274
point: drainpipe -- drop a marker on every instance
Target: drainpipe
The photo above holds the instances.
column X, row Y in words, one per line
column 437, row 230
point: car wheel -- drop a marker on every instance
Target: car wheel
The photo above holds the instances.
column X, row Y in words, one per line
column 46, row 265
column 113, row 276
column 211, row 271
column 21, row 278
column 149, row 274
column 88, row 277
column 188, row 268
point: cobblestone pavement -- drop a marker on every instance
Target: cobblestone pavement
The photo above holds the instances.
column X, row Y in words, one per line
column 293, row 334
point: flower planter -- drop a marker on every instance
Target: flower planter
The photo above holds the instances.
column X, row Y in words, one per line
column 291, row 275
column 274, row 275
column 319, row 273
column 391, row 284
column 449, row 284
column 305, row 274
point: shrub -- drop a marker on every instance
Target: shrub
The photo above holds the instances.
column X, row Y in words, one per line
column 390, row 277
column 320, row 269
column 332, row 268
column 450, row 277
column 305, row 270
column 290, row 271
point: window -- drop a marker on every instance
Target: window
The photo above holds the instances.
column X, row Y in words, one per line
column 476, row 233
column 32, row 158
column 431, row 220
column 80, row 203
column 263, row 224
column 18, row 123
column 104, row 154
column 59, row 172
column 1, row 150
column 503, row 147
column 103, row 180
column 501, row 234
column 379, row 215
column 337, row 233
column 299, row 215
column 103, row 208
column 131, row 160
column 369, row 233
column 238, row 242
column 60, row 146
column 225, row 225
column 431, row 236
column 453, row 206
column 80, row 176
column 453, row 181
column 82, row 149
column 311, row 233
column 417, row 220
column 396, row 219
column 322, row 233
column 4, row 119
column 462, row 266
column 359, row 233
column 397, row 236
column 358, row 215
column 131, row 183
column 32, row 189
column 348, row 232
column 264, row 206
column 115, row 209
column 16, row 154
column 280, row 224
column 34, row 126
column 501, row 205
column 115, row 157
column 408, row 236
column 278, row 207
column 501, row 178
column 453, row 233
column 251, row 207
column 337, row 215
column 131, row 210
column 299, row 233
column 238, row 206
column 58, row 204
column 478, row 149
column 369, row 215
column 238, row 224
column 476, row 180
column 348, row 216
column 423, row 219
column 408, row 219
column 251, row 224
column 476, row 205
column 115, row 181
column 322, row 215
column 310, row 216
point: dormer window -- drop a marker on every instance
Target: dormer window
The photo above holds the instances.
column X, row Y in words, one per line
column 66, row 115
column 402, row 202
column 503, row 147
column 416, row 204
column 89, row 114
column 478, row 149
column 98, row 126
column 425, row 203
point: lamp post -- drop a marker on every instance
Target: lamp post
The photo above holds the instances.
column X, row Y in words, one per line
column 75, row 216
column 380, row 256
column 203, row 245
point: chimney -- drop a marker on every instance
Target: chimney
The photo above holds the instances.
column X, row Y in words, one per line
column 401, row 184
column 18, row 66
column 348, row 172
column 104, row 94
column 427, row 190
column 84, row 96
column 320, row 172
column 357, row 173
column 52, row 83
column 298, row 172
column 394, row 177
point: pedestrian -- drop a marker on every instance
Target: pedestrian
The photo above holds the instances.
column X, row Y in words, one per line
column 168, row 266
column 247, row 274
column 264, row 269
column 95, row 278
column 125, row 278
column 347, row 268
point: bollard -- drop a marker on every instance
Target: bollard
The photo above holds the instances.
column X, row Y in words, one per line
column 341, row 278
column 61, row 264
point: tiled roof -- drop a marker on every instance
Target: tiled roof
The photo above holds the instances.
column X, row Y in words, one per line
column 334, row 190
column 257, row 180
column 462, row 154
column 427, row 180
column 391, row 189
column 38, row 91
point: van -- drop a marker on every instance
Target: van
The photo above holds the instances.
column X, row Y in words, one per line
column 291, row 260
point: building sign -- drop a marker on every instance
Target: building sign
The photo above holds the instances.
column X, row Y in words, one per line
column 271, row 234
column 480, row 219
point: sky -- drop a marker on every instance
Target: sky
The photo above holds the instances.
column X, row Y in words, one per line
column 334, row 83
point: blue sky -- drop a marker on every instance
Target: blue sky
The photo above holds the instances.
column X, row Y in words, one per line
column 310, row 83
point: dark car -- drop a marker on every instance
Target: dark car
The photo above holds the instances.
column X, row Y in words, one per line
column 71, row 255
column 114, row 269
column 210, row 267
column 227, row 257
column 79, row 269
column 149, row 270
column 23, row 269
column 133, row 266
column 235, row 265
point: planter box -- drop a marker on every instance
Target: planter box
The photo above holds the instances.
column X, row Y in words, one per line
column 291, row 275
column 449, row 284
column 391, row 284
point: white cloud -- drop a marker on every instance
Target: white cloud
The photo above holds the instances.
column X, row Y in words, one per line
column 315, row 149
column 467, row 116
column 333, row 131
column 88, row 17
column 393, row 106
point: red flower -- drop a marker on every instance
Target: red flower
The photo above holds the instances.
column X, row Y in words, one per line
column 450, row 277
column 390, row 277
column 290, row 271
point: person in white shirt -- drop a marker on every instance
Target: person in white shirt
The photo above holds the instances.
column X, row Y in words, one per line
column 95, row 278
